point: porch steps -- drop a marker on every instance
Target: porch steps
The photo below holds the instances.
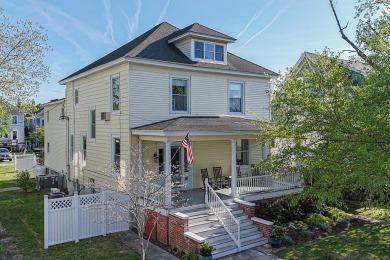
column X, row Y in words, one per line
column 204, row 223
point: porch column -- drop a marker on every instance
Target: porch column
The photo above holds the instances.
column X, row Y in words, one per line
column 140, row 158
column 167, row 165
column 234, row 168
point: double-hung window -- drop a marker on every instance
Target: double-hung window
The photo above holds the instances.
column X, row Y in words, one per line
column 92, row 123
column 242, row 152
column 209, row 51
column 236, row 97
column 115, row 94
column 116, row 153
column 14, row 134
column 14, row 120
column 48, row 147
column 180, row 94
column 83, row 150
column 71, row 147
column 76, row 96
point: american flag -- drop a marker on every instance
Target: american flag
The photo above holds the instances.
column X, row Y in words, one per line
column 186, row 145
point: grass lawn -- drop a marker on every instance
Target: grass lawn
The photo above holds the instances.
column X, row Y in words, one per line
column 22, row 216
column 7, row 176
column 371, row 242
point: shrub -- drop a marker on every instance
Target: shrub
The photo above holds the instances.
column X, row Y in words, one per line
column 193, row 255
column 316, row 219
column 23, row 181
column 343, row 224
column 205, row 249
column 306, row 233
column 297, row 225
column 287, row 240
column 337, row 214
column 326, row 228
column 276, row 231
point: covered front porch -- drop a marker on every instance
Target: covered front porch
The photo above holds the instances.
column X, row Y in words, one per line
column 225, row 151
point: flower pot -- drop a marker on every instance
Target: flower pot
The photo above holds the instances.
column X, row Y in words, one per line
column 275, row 242
column 205, row 257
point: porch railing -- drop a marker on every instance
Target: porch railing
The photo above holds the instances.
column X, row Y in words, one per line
column 267, row 183
column 157, row 193
column 223, row 214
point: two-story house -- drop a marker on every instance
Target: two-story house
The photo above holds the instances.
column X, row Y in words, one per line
column 136, row 104
column 14, row 139
column 36, row 120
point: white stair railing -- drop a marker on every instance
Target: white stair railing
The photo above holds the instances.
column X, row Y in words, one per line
column 223, row 214
column 267, row 183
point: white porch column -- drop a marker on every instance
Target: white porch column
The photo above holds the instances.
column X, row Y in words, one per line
column 234, row 168
column 140, row 158
column 167, row 164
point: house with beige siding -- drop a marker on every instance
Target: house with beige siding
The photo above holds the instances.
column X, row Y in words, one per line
column 150, row 93
column 55, row 145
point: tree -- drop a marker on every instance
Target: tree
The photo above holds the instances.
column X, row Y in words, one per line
column 337, row 132
column 38, row 137
column 22, row 48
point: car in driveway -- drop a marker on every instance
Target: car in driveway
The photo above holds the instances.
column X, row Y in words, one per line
column 5, row 155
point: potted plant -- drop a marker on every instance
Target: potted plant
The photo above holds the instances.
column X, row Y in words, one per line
column 205, row 251
column 275, row 236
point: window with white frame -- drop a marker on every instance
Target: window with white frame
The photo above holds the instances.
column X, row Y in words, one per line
column 83, row 150
column 14, row 120
column 76, row 96
column 242, row 152
column 71, row 147
column 48, row 147
column 236, row 97
column 14, row 135
column 92, row 123
column 180, row 94
column 209, row 51
column 48, row 116
column 115, row 94
column 116, row 153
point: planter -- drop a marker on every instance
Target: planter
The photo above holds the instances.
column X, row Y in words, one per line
column 204, row 257
column 275, row 242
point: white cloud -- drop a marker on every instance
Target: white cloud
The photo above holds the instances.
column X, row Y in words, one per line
column 163, row 12
column 133, row 22
column 253, row 19
column 109, row 34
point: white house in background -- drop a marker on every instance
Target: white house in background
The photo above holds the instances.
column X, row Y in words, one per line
column 35, row 121
column 55, row 136
column 15, row 136
column 149, row 93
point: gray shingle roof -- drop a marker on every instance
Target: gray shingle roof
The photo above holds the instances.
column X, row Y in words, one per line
column 153, row 45
column 201, row 29
column 218, row 124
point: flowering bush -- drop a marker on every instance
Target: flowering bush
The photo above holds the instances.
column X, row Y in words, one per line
column 205, row 249
column 276, row 231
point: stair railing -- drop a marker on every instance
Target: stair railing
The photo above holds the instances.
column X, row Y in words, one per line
column 223, row 214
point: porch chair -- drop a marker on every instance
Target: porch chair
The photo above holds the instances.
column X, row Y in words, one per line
column 240, row 174
column 218, row 177
column 255, row 171
column 205, row 174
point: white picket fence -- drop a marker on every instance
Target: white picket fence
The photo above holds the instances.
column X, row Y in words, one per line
column 83, row 216
column 24, row 162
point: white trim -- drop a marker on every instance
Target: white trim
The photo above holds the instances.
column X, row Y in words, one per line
column 71, row 155
column 262, row 221
column 189, row 67
column 193, row 133
column 114, row 112
column 203, row 36
column 82, row 163
column 94, row 70
column 113, row 137
column 188, row 78
column 90, row 124
column 204, row 52
column 242, row 97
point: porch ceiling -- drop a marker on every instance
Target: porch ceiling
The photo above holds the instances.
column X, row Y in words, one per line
column 200, row 127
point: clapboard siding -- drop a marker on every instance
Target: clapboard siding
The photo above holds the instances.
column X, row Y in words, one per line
column 185, row 47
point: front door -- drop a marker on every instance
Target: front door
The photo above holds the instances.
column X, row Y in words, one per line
column 181, row 172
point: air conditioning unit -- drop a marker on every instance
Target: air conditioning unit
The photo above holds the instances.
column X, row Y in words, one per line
column 105, row 116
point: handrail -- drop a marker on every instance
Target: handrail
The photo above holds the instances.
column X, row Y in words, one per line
column 267, row 182
column 223, row 214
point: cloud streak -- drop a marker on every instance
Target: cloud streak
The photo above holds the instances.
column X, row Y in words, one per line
column 133, row 23
column 163, row 12
column 254, row 18
column 109, row 34
column 277, row 15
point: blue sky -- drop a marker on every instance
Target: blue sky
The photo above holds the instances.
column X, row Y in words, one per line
column 271, row 33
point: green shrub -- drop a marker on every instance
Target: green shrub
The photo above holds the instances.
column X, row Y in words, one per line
column 297, row 225
column 326, row 228
column 343, row 224
column 276, row 231
column 193, row 255
column 316, row 219
column 306, row 233
column 23, row 181
column 286, row 240
column 337, row 214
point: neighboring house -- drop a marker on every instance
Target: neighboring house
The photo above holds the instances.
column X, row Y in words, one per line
column 15, row 137
column 145, row 97
column 55, row 136
column 35, row 121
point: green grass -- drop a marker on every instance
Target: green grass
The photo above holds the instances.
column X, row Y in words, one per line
column 22, row 216
column 7, row 176
column 382, row 213
column 371, row 242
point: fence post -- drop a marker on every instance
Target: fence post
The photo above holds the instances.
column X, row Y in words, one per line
column 46, row 220
column 104, row 194
column 76, row 216
column 15, row 166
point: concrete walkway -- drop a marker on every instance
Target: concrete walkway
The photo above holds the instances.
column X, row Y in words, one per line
column 257, row 253
column 9, row 189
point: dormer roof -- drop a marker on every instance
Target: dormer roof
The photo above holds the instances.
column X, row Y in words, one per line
column 200, row 31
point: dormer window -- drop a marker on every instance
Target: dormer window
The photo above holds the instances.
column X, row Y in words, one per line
column 208, row 51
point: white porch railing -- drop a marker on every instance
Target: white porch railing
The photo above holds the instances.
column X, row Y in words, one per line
column 267, row 183
column 158, row 194
column 223, row 214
